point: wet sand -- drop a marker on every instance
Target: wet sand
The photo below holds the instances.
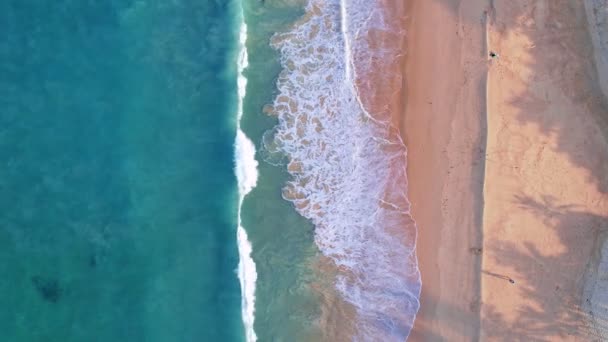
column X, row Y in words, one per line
column 508, row 169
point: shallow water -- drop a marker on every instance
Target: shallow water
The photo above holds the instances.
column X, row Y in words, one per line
column 282, row 240
column 347, row 167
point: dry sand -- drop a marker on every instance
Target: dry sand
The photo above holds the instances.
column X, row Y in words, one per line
column 508, row 169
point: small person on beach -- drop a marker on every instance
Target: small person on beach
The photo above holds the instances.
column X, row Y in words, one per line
column 500, row 276
column 476, row 250
column 493, row 55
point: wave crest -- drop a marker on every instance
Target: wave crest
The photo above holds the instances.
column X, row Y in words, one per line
column 247, row 176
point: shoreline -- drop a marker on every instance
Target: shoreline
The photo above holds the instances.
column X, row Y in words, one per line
column 347, row 170
column 504, row 176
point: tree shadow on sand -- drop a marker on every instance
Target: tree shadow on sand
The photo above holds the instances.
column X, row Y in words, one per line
column 560, row 85
column 563, row 101
column 559, row 312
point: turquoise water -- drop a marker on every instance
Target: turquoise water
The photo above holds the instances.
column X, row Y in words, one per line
column 117, row 124
column 120, row 203
column 283, row 241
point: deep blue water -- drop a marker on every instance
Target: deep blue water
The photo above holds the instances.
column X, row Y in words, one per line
column 117, row 123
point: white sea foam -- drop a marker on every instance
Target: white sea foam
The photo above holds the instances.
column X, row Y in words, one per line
column 246, row 169
column 347, row 164
column 247, row 175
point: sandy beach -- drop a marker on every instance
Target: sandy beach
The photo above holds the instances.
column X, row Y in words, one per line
column 507, row 168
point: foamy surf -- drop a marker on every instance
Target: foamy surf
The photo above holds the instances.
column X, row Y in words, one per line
column 347, row 162
column 247, row 175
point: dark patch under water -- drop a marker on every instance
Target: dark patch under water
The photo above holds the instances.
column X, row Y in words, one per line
column 48, row 288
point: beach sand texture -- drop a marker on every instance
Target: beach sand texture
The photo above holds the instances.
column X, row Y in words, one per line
column 508, row 168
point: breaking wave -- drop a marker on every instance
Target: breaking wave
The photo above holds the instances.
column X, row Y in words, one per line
column 347, row 161
column 247, row 175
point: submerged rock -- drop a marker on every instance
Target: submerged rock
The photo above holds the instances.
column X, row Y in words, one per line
column 49, row 289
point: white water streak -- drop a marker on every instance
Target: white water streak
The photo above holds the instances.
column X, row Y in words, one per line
column 247, row 175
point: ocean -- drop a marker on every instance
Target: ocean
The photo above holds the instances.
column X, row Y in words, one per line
column 119, row 219
column 199, row 171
